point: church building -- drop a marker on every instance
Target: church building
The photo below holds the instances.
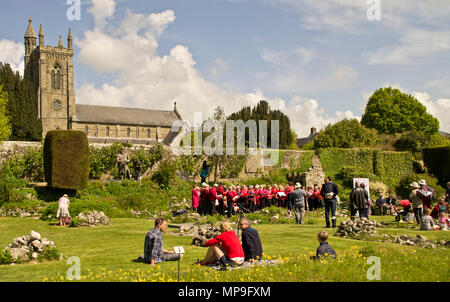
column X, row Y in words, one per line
column 51, row 71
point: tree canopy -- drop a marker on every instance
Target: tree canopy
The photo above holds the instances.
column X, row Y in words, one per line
column 346, row 134
column 262, row 111
column 391, row 111
column 21, row 108
column 5, row 126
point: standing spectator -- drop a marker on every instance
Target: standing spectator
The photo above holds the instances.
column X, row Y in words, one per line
column 309, row 198
column 426, row 193
column 360, row 197
column 213, row 200
column 317, row 198
column 63, row 210
column 221, row 195
column 195, row 198
column 251, row 243
column 353, row 204
column 297, row 203
column 153, row 247
column 416, row 201
column 447, row 193
column 330, row 191
column 205, row 171
column 204, row 199
column 231, row 201
column 137, row 166
column 427, row 221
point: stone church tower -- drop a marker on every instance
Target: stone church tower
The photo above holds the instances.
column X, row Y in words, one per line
column 50, row 69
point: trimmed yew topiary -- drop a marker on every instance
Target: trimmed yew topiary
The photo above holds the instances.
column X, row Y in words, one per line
column 66, row 159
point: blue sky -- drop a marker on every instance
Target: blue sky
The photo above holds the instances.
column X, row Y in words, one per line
column 317, row 61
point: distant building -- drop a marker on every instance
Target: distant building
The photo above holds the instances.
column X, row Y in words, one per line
column 51, row 70
column 303, row 141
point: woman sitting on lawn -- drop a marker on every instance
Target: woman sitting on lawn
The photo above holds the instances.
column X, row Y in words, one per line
column 427, row 221
column 225, row 248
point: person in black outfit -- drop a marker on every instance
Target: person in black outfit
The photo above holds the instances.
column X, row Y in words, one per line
column 137, row 169
column 329, row 192
column 251, row 244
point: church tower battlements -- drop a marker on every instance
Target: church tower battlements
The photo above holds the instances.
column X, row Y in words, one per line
column 50, row 69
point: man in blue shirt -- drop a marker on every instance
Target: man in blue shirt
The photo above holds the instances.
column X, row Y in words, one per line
column 153, row 247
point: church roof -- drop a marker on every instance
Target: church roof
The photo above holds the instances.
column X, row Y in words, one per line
column 30, row 31
column 124, row 116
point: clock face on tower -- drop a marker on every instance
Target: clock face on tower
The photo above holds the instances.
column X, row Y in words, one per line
column 57, row 105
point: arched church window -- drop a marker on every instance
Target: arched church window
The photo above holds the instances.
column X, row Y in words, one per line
column 148, row 133
column 57, row 78
column 128, row 132
column 107, row 131
column 86, row 129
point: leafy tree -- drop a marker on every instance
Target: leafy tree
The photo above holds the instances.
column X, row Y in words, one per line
column 262, row 111
column 345, row 134
column 416, row 140
column 391, row 111
column 5, row 126
column 21, row 108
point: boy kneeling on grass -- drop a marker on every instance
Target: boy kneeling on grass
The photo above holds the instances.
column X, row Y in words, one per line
column 324, row 250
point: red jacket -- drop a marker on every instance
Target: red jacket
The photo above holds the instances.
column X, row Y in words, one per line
column 230, row 243
column 204, row 194
column 212, row 194
column 195, row 198
column 230, row 196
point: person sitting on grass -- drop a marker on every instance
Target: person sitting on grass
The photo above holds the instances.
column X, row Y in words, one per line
column 225, row 248
column 251, row 243
column 153, row 247
column 427, row 221
column 324, row 250
column 443, row 222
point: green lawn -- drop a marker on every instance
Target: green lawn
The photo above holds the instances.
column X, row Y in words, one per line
column 107, row 254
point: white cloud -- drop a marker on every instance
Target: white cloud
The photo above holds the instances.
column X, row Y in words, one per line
column 439, row 108
column 306, row 113
column 12, row 53
column 146, row 79
column 102, row 10
column 413, row 45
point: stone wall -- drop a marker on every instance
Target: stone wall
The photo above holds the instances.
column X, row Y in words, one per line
column 10, row 148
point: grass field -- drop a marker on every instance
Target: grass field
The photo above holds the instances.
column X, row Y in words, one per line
column 107, row 253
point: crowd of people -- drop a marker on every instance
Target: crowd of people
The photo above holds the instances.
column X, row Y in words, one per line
column 229, row 200
column 225, row 249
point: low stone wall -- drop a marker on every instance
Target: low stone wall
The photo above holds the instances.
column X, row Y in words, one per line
column 10, row 148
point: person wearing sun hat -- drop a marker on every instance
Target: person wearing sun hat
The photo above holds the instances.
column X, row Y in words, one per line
column 426, row 193
column 63, row 210
column 416, row 201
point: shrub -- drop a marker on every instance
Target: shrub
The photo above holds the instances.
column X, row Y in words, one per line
column 49, row 253
column 5, row 189
column 346, row 134
column 164, row 174
column 66, row 159
column 28, row 166
column 377, row 188
column 437, row 160
column 74, row 222
column 403, row 189
column 5, row 257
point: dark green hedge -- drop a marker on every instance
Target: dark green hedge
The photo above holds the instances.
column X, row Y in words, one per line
column 437, row 160
column 389, row 166
column 333, row 159
column 66, row 159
